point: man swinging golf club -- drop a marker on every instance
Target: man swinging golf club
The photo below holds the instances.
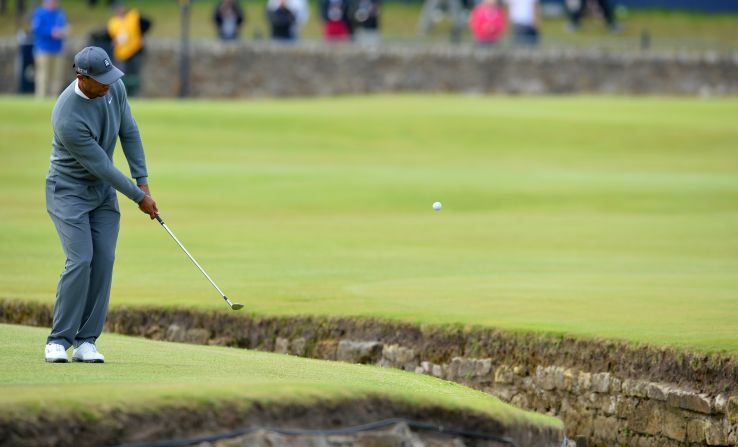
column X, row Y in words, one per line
column 88, row 118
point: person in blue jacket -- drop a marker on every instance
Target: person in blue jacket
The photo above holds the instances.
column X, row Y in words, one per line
column 49, row 28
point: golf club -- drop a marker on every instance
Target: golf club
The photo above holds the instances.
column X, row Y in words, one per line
column 234, row 306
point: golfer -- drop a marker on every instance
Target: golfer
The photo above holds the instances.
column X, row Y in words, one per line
column 88, row 118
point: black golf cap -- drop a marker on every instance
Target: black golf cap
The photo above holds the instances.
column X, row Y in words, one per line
column 95, row 63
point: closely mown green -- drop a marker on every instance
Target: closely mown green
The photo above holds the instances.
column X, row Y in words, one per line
column 145, row 373
column 597, row 217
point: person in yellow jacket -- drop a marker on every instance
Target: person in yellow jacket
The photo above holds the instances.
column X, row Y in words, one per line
column 126, row 29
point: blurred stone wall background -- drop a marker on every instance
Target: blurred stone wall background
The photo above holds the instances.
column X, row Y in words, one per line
column 262, row 69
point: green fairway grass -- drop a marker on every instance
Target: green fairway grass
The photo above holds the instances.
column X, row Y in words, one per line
column 144, row 373
column 596, row 217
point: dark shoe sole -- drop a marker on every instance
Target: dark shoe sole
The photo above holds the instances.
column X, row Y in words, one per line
column 57, row 361
column 87, row 361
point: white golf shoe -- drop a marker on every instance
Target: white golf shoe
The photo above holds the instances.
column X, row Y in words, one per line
column 55, row 353
column 87, row 353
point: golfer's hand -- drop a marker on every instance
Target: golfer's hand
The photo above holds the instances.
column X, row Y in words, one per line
column 148, row 204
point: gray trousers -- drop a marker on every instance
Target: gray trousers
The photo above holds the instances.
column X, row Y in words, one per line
column 87, row 219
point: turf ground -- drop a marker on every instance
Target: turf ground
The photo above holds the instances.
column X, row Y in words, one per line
column 148, row 373
column 596, row 217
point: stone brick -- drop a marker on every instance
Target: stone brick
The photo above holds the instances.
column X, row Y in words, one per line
column 398, row 356
column 716, row 433
column 197, row 336
column 528, row 384
column 601, row 382
column 520, row 400
column 625, row 407
column 657, row 391
column 606, row 428
column 615, row 385
column 465, row 368
column 559, row 378
column 505, row 393
column 732, row 409
column 580, row 423
column 570, row 379
column 175, row 333
column 154, row 332
column 425, row 367
column 687, row 400
column 674, row 425
column 544, row 378
column 358, row 351
column 634, row 388
column 459, row 368
column 696, row 430
column 646, row 418
column 610, row 405
column 437, row 371
column 593, row 400
column 720, row 404
column 297, row 346
column 733, row 435
column 504, row 375
column 643, row 441
column 584, row 382
column 482, row 367
column 281, row 345
column 326, row 349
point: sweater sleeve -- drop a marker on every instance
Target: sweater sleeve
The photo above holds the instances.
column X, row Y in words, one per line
column 77, row 139
column 130, row 140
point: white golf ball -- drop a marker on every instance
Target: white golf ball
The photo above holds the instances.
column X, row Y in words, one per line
column 437, row 206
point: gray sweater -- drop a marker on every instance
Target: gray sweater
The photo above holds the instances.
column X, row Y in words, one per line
column 85, row 134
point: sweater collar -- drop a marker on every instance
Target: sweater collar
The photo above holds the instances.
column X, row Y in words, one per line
column 78, row 91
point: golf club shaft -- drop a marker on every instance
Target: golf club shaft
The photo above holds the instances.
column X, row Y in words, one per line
column 191, row 257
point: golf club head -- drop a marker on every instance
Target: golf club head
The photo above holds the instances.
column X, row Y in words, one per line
column 234, row 306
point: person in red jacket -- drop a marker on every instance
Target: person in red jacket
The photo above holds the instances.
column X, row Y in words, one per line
column 337, row 25
column 488, row 22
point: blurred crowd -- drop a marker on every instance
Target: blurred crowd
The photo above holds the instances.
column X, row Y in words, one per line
column 122, row 37
column 489, row 21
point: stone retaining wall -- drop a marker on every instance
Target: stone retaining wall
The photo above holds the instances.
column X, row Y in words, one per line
column 262, row 69
column 600, row 407
column 607, row 393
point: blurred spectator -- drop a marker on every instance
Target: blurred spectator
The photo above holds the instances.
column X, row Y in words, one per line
column 299, row 8
column 336, row 23
column 366, row 17
column 93, row 3
column 487, row 22
column 101, row 38
column 433, row 11
column 577, row 9
column 228, row 18
column 282, row 21
column 524, row 16
column 49, row 28
column 126, row 29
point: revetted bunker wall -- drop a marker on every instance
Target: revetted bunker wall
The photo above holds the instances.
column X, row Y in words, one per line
column 262, row 69
column 115, row 426
column 607, row 392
